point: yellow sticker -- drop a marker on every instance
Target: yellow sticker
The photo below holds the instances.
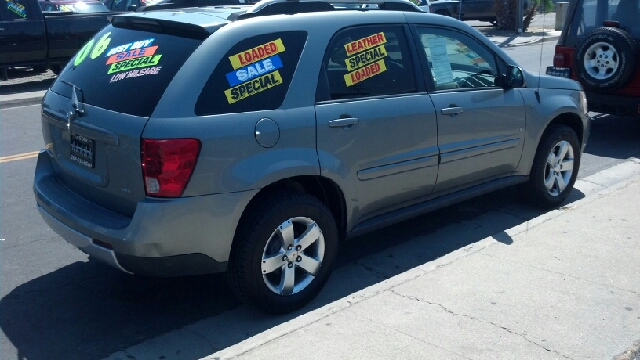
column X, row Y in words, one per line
column 253, row 87
column 365, row 58
column 365, row 73
column 365, row 43
column 258, row 53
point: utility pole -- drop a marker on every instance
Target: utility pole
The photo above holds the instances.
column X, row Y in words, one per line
column 519, row 16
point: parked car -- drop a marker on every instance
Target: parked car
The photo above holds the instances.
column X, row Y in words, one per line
column 481, row 10
column 30, row 38
column 224, row 140
column 148, row 5
column 599, row 48
column 80, row 7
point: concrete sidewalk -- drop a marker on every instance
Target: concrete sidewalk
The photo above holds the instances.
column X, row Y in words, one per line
column 565, row 284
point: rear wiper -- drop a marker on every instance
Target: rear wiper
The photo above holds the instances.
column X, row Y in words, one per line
column 74, row 98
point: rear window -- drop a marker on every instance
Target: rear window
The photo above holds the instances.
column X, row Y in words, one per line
column 125, row 70
column 593, row 13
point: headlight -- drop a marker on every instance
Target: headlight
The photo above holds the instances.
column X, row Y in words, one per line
column 583, row 102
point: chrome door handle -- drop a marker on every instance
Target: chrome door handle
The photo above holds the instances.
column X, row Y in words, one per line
column 343, row 122
column 452, row 110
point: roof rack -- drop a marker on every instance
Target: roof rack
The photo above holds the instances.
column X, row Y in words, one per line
column 274, row 7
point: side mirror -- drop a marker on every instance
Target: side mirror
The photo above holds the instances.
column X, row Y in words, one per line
column 132, row 8
column 514, row 78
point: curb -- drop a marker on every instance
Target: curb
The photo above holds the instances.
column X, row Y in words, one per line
column 532, row 42
column 21, row 99
column 613, row 179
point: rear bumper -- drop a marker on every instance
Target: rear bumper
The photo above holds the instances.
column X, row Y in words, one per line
column 165, row 237
column 613, row 104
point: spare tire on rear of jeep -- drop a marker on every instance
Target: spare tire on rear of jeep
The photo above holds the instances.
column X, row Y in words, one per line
column 605, row 59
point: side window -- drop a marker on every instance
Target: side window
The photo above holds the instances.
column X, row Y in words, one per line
column 15, row 10
column 456, row 60
column 368, row 61
column 253, row 75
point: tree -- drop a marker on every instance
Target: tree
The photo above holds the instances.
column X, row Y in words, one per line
column 506, row 12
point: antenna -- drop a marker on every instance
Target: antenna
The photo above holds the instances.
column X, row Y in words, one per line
column 544, row 21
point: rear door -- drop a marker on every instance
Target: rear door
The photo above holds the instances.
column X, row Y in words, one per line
column 95, row 113
column 376, row 127
column 480, row 125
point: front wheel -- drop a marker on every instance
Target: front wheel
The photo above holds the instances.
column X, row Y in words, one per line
column 283, row 252
column 555, row 167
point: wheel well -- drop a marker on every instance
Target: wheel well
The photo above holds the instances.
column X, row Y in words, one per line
column 320, row 187
column 571, row 120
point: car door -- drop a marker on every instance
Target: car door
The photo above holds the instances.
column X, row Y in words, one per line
column 28, row 42
column 377, row 131
column 480, row 125
column 5, row 37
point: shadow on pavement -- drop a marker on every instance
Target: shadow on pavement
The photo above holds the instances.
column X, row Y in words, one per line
column 26, row 80
column 614, row 136
column 86, row 310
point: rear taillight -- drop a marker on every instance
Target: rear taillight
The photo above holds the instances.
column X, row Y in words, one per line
column 558, row 60
column 167, row 165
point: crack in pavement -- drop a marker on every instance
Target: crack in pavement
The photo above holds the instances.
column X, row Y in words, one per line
column 479, row 320
column 213, row 348
column 377, row 273
column 406, row 334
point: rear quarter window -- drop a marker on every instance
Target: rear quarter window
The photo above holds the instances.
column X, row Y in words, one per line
column 253, row 75
column 126, row 70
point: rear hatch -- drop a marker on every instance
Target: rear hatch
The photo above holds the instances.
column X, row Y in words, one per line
column 94, row 114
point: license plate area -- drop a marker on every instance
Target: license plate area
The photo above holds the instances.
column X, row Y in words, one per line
column 559, row 71
column 82, row 150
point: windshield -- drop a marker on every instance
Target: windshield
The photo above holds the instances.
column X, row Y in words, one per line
column 593, row 13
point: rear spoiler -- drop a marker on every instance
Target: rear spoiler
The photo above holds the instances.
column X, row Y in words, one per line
column 161, row 26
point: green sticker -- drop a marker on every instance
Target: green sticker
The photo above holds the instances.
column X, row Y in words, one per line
column 82, row 54
column 101, row 46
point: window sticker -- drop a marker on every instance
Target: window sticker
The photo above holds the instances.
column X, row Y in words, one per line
column 95, row 51
column 255, row 70
column 134, row 59
column 258, row 53
column 16, row 8
column 440, row 64
column 366, row 58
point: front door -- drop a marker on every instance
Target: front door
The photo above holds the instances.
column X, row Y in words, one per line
column 480, row 125
column 377, row 132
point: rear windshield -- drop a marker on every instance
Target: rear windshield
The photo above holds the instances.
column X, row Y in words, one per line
column 593, row 13
column 125, row 70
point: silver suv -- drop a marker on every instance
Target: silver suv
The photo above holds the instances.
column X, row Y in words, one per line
column 253, row 140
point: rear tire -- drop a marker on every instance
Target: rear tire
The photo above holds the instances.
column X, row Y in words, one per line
column 555, row 167
column 283, row 252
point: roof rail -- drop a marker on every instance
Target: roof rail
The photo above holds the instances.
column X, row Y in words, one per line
column 273, row 7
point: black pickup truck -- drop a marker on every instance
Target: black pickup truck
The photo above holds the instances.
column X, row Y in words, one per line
column 29, row 37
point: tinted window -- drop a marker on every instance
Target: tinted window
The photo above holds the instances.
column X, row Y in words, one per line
column 126, row 70
column 368, row 61
column 456, row 60
column 254, row 75
column 14, row 10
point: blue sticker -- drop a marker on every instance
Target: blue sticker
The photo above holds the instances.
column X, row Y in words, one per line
column 254, row 70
